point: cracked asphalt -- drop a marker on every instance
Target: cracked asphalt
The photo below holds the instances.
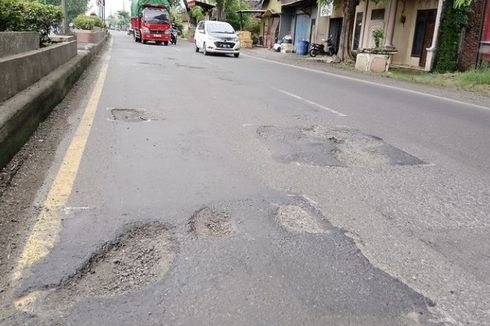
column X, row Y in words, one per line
column 222, row 191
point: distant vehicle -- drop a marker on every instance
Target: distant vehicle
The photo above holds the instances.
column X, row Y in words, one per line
column 150, row 21
column 175, row 32
column 216, row 37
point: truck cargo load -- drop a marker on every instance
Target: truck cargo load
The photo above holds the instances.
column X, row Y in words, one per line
column 137, row 5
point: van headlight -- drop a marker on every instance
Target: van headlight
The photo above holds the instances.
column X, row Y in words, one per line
column 145, row 30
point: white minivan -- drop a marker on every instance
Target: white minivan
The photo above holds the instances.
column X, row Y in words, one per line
column 216, row 37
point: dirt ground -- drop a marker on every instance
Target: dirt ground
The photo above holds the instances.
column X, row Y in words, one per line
column 23, row 177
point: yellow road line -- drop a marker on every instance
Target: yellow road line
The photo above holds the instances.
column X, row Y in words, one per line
column 45, row 232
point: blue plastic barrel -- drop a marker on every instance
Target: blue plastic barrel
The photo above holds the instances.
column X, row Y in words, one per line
column 302, row 48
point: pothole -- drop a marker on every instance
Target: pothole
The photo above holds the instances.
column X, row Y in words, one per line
column 189, row 66
column 136, row 259
column 208, row 223
column 322, row 146
column 291, row 145
column 354, row 148
column 149, row 63
column 295, row 219
column 129, row 115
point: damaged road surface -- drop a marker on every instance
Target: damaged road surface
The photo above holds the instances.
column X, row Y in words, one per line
column 193, row 198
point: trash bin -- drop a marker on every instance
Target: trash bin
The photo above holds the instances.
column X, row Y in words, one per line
column 302, row 48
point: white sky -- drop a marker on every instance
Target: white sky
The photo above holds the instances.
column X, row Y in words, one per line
column 111, row 6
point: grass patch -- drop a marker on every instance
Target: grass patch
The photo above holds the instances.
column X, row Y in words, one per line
column 474, row 80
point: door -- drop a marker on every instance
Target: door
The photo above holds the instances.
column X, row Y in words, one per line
column 334, row 32
column 424, row 33
column 200, row 35
column 428, row 36
column 301, row 29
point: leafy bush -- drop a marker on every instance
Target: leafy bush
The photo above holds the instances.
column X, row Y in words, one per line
column 11, row 18
column 87, row 22
column 17, row 15
column 176, row 17
column 41, row 17
column 452, row 23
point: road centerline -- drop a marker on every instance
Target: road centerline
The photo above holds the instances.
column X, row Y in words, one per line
column 310, row 102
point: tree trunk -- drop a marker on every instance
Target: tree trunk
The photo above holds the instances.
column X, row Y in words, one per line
column 349, row 11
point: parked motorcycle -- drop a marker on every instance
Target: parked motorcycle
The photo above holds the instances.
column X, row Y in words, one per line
column 316, row 48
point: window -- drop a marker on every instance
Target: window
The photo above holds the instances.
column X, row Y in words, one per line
column 357, row 31
column 220, row 28
column 378, row 14
column 156, row 16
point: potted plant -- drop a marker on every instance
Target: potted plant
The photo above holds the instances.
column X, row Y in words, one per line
column 377, row 59
column 89, row 29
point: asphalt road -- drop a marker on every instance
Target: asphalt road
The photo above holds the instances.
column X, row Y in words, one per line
column 215, row 190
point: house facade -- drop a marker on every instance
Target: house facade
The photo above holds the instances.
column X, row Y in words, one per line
column 298, row 19
column 270, row 17
column 410, row 26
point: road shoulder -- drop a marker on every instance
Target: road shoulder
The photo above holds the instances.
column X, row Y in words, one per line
column 299, row 61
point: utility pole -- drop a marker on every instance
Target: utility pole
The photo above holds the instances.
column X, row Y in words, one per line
column 66, row 27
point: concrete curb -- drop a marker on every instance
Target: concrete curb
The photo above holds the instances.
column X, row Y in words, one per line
column 21, row 114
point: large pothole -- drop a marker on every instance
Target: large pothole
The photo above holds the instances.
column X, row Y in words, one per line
column 291, row 145
column 136, row 259
column 322, row 146
column 139, row 257
column 207, row 223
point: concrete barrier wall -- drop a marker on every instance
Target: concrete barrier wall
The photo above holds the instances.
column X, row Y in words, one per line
column 23, row 70
column 12, row 43
column 21, row 114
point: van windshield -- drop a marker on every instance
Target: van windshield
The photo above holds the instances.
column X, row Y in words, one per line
column 156, row 16
column 220, row 28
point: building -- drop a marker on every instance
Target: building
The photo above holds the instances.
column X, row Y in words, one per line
column 484, row 52
column 469, row 54
column 298, row 19
column 270, row 18
column 410, row 26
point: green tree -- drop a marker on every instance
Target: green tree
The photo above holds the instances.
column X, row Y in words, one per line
column 122, row 19
column 176, row 16
column 231, row 16
column 74, row 7
column 196, row 13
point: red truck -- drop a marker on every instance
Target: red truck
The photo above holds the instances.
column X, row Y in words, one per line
column 151, row 22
